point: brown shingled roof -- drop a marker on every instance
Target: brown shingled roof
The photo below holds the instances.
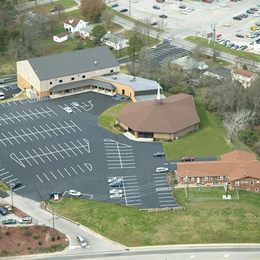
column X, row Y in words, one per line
column 169, row 115
column 73, row 21
column 244, row 73
column 236, row 165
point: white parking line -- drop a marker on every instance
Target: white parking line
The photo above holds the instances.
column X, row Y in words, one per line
column 60, row 173
column 20, row 188
column 10, row 181
column 2, row 174
column 46, row 176
column 67, row 171
column 7, row 177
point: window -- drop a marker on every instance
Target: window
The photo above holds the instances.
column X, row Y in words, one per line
column 257, row 181
column 83, row 76
column 226, row 178
column 60, row 80
column 252, row 183
column 72, row 78
column 50, row 82
column 256, row 189
column 111, row 71
column 192, row 178
column 236, row 183
column 206, row 178
column 221, row 178
column 248, row 189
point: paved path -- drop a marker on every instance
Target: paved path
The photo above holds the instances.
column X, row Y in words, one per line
column 98, row 243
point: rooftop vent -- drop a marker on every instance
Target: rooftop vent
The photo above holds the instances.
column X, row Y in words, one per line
column 132, row 78
column 114, row 77
column 95, row 62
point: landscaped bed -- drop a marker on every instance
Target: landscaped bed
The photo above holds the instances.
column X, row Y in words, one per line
column 207, row 219
column 30, row 240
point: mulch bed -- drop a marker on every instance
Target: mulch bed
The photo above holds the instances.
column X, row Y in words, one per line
column 30, row 240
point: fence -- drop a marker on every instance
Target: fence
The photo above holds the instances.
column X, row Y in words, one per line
column 155, row 210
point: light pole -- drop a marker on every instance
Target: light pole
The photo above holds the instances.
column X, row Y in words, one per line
column 11, row 194
column 187, row 187
column 129, row 8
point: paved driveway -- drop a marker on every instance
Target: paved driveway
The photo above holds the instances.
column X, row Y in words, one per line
column 48, row 149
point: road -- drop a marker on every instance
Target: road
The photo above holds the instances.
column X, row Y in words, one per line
column 180, row 42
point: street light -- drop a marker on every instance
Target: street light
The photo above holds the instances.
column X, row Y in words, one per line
column 11, row 194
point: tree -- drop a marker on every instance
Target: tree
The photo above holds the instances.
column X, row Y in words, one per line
column 135, row 45
column 237, row 121
column 98, row 32
column 59, row 8
column 92, row 9
column 107, row 17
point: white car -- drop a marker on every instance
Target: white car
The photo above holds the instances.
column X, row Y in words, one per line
column 68, row 110
column 82, row 241
column 75, row 104
column 74, row 193
column 113, row 179
column 161, row 169
column 115, row 191
column 116, row 196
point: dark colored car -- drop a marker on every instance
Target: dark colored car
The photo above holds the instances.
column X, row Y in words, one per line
column 236, row 18
column 239, row 35
column 164, row 16
column 16, row 185
column 156, row 7
column 123, row 10
column 55, row 193
column 182, row 6
column 187, row 159
column 160, row 1
column 114, row 5
column 4, row 211
column 154, row 23
column 159, row 154
column 244, row 15
column 116, row 184
column 9, row 221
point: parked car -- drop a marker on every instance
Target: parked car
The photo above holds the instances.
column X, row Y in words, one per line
column 25, row 220
column 114, row 5
column 160, row 1
column 161, row 169
column 188, row 158
column 9, row 221
column 244, row 15
column 75, row 104
column 124, row 10
column 182, row 6
column 239, row 35
column 74, row 193
column 116, row 196
column 164, row 16
column 116, row 184
column 82, row 241
column 3, row 211
column 9, row 208
column 113, row 191
column 68, row 109
column 153, row 23
column 156, row 7
column 113, row 179
column 159, row 154
column 16, row 185
column 55, row 193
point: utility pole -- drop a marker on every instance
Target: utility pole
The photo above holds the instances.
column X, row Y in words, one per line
column 129, row 8
column 53, row 218
column 187, row 187
column 213, row 38
column 11, row 193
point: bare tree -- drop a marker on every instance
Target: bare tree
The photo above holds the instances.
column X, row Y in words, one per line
column 92, row 9
column 107, row 17
column 236, row 122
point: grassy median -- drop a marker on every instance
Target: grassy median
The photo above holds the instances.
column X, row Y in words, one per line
column 207, row 219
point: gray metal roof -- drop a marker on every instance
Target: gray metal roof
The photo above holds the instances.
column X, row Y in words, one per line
column 71, row 63
column 148, row 97
column 138, row 84
column 83, row 83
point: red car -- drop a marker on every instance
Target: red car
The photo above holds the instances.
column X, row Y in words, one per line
column 187, row 159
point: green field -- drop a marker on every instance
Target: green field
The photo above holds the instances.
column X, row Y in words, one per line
column 219, row 47
column 209, row 140
column 206, row 220
column 108, row 118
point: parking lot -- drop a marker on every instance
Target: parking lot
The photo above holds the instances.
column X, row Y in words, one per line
column 47, row 149
column 197, row 18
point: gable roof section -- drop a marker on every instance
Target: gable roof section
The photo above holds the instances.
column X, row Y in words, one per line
column 169, row 115
column 238, row 156
column 243, row 73
column 73, row 21
column 71, row 63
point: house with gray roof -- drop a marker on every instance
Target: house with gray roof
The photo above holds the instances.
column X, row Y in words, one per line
column 115, row 41
column 45, row 75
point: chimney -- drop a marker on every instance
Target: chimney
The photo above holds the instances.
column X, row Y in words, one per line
column 158, row 92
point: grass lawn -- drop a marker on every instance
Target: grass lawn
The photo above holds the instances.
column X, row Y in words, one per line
column 235, row 221
column 108, row 118
column 209, row 140
column 219, row 47
column 3, row 186
column 47, row 7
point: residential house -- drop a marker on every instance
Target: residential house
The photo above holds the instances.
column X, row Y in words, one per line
column 220, row 73
column 85, row 31
column 61, row 37
column 245, row 77
column 188, row 63
column 240, row 169
column 115, row 41
column 74, row 24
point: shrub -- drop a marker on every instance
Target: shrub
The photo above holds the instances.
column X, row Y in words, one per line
column 248, row 137
column 7, row 233
column 39, row 243
column 27, row 233
column 36, row 236
column 53, row 238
